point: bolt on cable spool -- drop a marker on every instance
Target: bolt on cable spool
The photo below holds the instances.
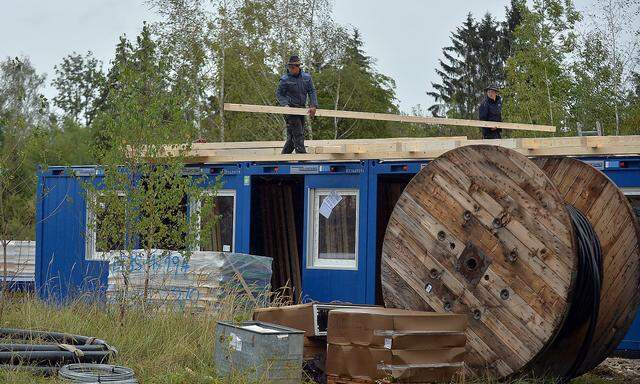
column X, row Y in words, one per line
column 482, row 230
column 615, row 224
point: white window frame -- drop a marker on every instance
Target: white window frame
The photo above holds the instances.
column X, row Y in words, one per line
column 90, row 252
column 313, row 222
column 631, row 191
column 197, row 206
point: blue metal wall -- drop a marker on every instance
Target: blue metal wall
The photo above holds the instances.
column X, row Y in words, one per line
column 62, row 271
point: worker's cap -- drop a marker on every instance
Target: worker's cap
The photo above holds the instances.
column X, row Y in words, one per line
column 492, row 87
column 294, row 60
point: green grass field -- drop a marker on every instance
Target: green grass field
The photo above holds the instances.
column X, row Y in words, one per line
column 161, row 346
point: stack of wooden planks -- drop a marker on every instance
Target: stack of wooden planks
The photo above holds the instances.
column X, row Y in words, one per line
column 405, row 148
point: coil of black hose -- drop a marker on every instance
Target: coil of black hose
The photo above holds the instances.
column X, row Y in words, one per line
column 585, row 300
column 59, row 349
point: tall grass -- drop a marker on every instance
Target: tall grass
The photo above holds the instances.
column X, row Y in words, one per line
column 160, row 345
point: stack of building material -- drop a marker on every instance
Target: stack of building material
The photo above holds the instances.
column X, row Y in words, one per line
column 201, row 281
column 370, row 344
column 401, row 148
column 20, row 265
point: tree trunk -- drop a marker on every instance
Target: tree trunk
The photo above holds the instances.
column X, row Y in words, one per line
column 546, row 83
column 309, row 54
column 125, row 277
column 147, row 270
column 335, row 108
column 5, row 274
column 617, row 120
column 5, row 286
column 221, row 85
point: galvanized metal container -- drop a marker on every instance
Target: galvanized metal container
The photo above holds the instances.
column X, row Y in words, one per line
column 261, row 351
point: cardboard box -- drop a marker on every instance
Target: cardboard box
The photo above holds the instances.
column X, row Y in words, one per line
column 311, row 317
column 293, row 316
column 377, row 327
column 404, row 340
column 374, row 363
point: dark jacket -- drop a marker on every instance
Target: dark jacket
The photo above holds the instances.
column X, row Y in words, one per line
column 491, row 110
column 293, row 90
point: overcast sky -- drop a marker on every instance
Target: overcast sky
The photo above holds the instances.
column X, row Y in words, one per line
column 405, row 36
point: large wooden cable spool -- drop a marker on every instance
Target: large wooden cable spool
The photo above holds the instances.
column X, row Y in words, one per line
column 616, row 226
column 482, row 230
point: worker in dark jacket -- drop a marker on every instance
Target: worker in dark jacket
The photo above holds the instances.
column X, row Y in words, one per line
column 292, row 92
column 491, row 110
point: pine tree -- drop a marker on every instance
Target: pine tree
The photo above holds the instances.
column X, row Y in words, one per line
column 475, row 59
column 457, row 72
column 513, row 18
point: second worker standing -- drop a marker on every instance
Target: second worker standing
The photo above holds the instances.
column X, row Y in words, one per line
column 292, row 92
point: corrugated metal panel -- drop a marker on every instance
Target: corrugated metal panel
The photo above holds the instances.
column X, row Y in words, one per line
column 21, row 256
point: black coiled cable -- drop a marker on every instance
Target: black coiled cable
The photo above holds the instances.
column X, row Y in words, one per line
column 586, row 295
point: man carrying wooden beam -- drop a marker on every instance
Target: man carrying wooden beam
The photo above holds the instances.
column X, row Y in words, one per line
column 491, row 110
column 292, row 92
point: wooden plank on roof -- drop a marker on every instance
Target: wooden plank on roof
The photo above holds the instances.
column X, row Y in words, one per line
column 387, row 117
column 318, row 143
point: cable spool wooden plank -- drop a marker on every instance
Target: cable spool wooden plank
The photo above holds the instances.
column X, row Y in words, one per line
column 616, row 226
column 482, row 230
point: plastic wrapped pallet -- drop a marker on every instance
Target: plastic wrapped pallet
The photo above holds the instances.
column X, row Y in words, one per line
column 199, row 281
column 407, row 346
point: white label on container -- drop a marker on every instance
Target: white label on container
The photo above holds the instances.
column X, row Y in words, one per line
column 329, row 203
column 282, row 336
column 387, row 343
column 236, row 342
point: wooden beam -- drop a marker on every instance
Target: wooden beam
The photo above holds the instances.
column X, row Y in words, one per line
column 386, row 117
column 319, row 143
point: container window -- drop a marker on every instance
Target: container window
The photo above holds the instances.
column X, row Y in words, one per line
column 100, row 239
column 217, row 221
column 333, row 230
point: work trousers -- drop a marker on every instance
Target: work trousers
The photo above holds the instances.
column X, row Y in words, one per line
column 488, row 133
column 295, row 134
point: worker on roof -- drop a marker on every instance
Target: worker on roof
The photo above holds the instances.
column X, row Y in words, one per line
column 292, row 92
column 491, row 110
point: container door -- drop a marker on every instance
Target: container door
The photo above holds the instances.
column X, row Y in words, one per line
column 334, row 267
